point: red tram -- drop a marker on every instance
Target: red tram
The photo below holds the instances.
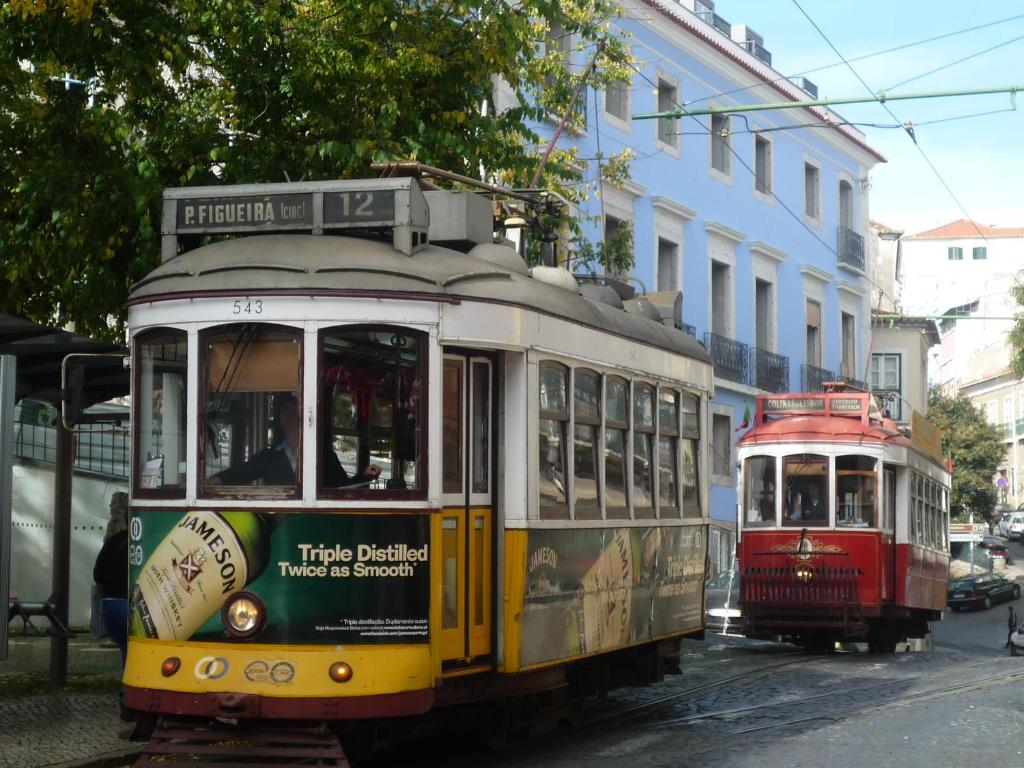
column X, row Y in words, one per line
column 844, row 522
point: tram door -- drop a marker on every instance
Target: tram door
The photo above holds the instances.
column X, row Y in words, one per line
column 466, row 521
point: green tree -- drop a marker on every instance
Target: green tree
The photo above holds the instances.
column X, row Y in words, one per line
column 975, row 447
column 1016, row 336
column 103, row 103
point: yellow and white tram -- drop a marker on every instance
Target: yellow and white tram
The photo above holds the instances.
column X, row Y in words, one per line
column 382, row 467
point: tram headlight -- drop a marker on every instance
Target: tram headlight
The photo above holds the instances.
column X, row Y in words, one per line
column 243, row 615
column 804, row 573
column 340, row 672
column 170, row 666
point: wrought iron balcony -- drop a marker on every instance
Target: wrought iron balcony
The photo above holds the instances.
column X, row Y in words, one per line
column 1020, row 426
column 850, row 248
column 713, row 19
column 771, row 370
column 690, row 330
column 814, row 378
column 730, row 357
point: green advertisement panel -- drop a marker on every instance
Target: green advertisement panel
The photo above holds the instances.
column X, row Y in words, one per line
column 594, row 589
column 324, row 579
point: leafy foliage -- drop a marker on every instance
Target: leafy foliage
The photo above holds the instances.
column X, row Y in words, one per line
column 103, row 103
column 1016, row 335
column 976, row 449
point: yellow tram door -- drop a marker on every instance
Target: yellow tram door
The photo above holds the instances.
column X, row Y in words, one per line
column 465, row 536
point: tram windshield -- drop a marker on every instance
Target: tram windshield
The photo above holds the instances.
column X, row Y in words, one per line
column 805, row 490
column 856, row 491
column 759, row 487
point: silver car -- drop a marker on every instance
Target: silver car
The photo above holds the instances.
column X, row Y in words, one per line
column 1012, row 525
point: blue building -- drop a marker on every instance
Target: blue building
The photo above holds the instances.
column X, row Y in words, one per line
column 757, row 218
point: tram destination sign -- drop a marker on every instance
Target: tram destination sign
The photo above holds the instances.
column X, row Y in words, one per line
column 359, row 208
column 794, row 404
column 252, row 212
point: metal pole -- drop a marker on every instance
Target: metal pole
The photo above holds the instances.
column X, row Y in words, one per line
column 972, row 543
column 881, row 97
column 61, row 552
column 8, row 383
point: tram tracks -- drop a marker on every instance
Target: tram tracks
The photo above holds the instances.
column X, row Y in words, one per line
column 774, row 723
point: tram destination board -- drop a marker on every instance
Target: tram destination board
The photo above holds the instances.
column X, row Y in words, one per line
column 233, row 214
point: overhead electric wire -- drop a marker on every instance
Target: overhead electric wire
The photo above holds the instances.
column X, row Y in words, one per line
column 863, row 57
column 893, row 116
column 954, row 63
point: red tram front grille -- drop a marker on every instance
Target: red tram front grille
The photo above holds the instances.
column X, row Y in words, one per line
column 775, row 597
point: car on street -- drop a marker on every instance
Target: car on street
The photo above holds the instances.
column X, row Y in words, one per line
column 1012, row 524
column 996, row 548
column 981, row 591
column 722, row 603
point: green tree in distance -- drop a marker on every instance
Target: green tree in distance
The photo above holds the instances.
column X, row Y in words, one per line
column 103, row 103
column 975, row 447
column 1016, row 336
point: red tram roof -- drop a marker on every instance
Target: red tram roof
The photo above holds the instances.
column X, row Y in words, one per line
column 836, row 416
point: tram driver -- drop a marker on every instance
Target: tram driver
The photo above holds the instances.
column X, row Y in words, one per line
column 277, row 464
column 810, row 504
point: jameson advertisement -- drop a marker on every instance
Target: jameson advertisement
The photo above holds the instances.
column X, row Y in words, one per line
column 593, row 589
column 323, row 578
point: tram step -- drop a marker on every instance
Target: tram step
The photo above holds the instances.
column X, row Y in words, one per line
column 200, row 743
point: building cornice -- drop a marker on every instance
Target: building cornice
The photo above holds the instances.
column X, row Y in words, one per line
column 814, row 273
column 672, row 208
column 762, row 249
column 850, row 289
column 714, row 228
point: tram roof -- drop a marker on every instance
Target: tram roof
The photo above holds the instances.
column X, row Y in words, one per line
column 838, row 429
column 303, row 264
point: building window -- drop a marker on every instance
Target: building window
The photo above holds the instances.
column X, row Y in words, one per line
column 813, row 334
column 668, row 265
column 762, row 165
column 849, row 331
column 720, row 299
column 618, row 242
column 721, row 448
column 762, row 314
column 979, row 254
column 668, row 131
column 561, row 43
column 885, row 381
column 845, row 204
column 954, row 253
column 616, row 99
column 991, row 412
column 812, row 191
column 720, row 144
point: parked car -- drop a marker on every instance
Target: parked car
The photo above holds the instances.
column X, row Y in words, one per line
column 1012, row 524
column 981, row 591
column 722, row 603
column 996, row 548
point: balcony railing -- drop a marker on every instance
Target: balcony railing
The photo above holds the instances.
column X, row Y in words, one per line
column 713, row 19
column 856, row 383
column 730, row 357
column 758, row 51
column 1020, row 426
column 771, row 370
column 98, row 449
column 850, row 249
column 1007, row 431
column 813, row 378
column 690, row 330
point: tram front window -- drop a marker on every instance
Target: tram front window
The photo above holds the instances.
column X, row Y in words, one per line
column 372, row 421
column 856, row 496
column 805, row 499
column 251, row 425
column 759, row 491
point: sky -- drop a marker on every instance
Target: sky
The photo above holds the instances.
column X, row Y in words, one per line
column 980, row 157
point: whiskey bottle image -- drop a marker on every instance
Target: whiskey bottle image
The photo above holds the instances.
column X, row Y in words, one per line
column 203, row 560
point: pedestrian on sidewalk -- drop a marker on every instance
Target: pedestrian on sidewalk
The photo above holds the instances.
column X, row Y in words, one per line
column 1011, row 626
column 111, row 574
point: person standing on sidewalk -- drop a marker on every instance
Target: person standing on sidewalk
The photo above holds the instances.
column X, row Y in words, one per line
column 111, row 574
column 1011, row 626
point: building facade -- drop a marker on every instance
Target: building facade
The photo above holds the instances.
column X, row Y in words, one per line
column 758, row 219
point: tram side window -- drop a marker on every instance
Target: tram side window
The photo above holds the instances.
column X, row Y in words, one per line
column 689, row 444
column 162, row 369
column 586, row 431
column 552, row 432
column 616, row 430
column 643, row 450
column 370, row 390
column 805, row 496
column 759, row 491
column 890, row 497
column 856, row 491
column 451, row 419
column 668, row 453
column 250, row 423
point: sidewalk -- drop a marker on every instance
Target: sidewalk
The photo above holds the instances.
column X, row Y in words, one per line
column 42, row 726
